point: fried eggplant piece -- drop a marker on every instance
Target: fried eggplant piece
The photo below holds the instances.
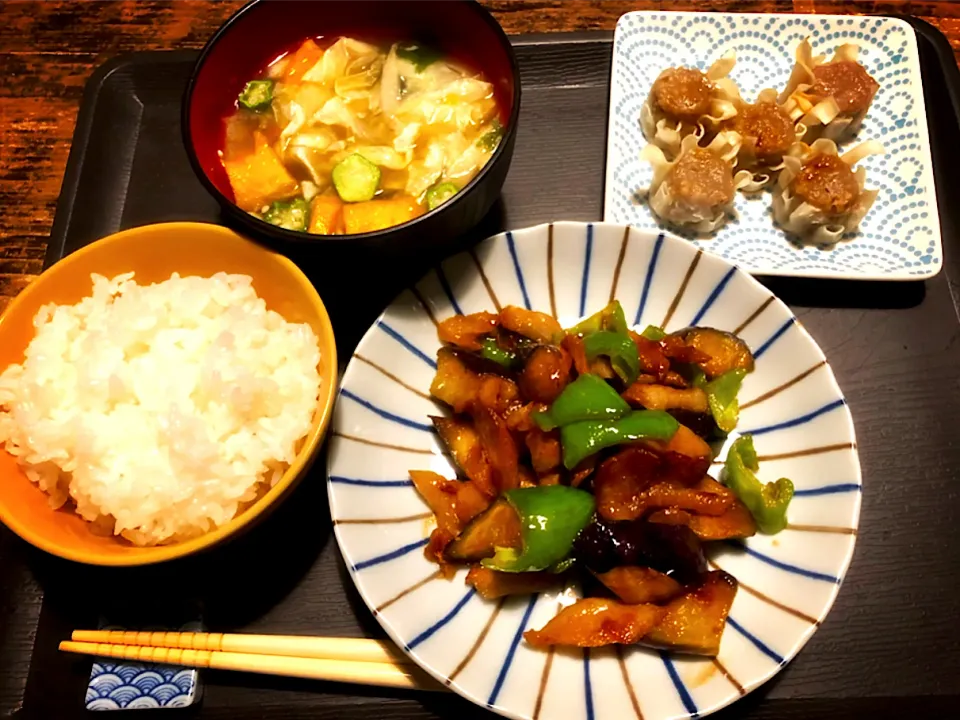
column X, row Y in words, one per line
column 726, row 351
column 694, row 621
column 678, row 350
column 652, row 360
column 546, row 373
column 531, row 324
column 463, row 442
column 454, row 502
column 520, row 417
column 497, row 393
column 736, row 522
column 498, row 446
column 492, row 584
column 545, row 450
column 698, row 499
column 435, row 552
column 664, row 397
column 595, row 622
column 498, row 526
column 685, row 442
column 637, row 585
column 671, row 549
column 466, row 331
column 455, row 384
column 638, row 478
column 583, row 470
column 573, row 344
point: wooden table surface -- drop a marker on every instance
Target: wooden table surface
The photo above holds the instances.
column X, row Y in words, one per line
column 48, row 49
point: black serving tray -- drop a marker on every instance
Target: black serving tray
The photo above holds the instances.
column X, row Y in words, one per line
column 891, row 644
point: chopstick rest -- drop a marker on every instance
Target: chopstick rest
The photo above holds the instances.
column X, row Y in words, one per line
column 117, row 684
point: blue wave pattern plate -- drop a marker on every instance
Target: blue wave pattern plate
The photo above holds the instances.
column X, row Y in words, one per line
column 900, row 237
column 126, row 685
column 791, row 403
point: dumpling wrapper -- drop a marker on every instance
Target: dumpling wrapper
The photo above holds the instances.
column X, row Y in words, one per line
column 821, row 119
column 809, row 223
column 667, row 133
column 675, row 210
column 762, row 174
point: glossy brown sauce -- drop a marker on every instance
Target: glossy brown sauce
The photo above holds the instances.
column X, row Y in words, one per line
column 770, row 125
column 827, row 183
column 701, row 179
column 847, row 82
column 683, row 93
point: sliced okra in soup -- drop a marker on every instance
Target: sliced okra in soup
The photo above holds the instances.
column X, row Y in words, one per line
column 257, row 95
column 293, row 215
column 356, row 178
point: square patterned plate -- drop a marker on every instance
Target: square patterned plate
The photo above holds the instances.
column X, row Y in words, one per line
column 900, row 237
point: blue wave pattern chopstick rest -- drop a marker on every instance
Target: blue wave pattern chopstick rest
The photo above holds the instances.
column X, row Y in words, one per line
column 125, row 685
column 900, row 237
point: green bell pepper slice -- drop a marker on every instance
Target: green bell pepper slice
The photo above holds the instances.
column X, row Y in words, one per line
column 589, row 397
column 722, row 394
column 610, row 318
column 582, row 439
column 620, row 348
column 654, row 333
column 551, row 517
column 766, row 502
column 491, row 350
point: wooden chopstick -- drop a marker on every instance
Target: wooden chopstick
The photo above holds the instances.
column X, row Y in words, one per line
column 324, row 648
column 363, row 673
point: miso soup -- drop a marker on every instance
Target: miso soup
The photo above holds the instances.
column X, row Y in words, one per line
column 357, row 137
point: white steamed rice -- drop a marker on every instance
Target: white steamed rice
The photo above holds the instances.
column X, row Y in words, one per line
column 159, row 410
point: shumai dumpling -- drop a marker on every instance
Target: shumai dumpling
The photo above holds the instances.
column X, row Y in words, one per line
column 829, row 98
column 766, row 134
column 683, row 100
column 696, row 189
column 819, row 196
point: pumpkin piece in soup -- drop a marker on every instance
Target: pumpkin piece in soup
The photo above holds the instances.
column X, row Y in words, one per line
column 326, row 215
column 376, row 215
column 260, row 178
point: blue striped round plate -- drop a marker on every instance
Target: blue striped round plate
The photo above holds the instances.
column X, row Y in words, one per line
column 791, row 403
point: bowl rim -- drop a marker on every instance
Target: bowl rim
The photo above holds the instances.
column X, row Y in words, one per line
column 151, row 555
column 305, row 238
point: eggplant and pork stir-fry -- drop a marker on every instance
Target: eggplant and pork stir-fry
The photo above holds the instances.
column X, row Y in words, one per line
column 583, row 457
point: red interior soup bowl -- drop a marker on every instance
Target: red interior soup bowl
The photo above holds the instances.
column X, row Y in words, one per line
column 279, row 169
